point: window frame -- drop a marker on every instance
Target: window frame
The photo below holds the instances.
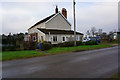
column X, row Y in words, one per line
column 34, row 38
column 77, row 38
column 64, row 38
column 55, row 39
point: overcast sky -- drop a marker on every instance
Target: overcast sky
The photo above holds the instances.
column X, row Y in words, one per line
column 19, row 16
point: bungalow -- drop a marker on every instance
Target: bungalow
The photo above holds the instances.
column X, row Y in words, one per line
column 55, row 29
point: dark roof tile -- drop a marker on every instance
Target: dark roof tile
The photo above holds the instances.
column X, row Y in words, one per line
column 55, row 31
column 44, row 20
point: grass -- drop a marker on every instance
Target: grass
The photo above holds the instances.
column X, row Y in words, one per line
column 77, row 48
column 115, row 77
column 9, row 55
column 116, row 42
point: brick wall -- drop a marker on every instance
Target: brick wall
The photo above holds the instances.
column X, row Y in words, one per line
column 34, row 35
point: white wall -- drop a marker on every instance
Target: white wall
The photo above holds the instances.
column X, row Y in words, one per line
column 58, row 22
column 41, row 25
column 60, row 38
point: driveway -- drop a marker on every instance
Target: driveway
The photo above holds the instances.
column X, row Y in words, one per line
column 102, row 63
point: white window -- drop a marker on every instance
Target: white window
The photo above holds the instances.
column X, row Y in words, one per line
column 34, row 38
column 55, row 38
column 77, row 37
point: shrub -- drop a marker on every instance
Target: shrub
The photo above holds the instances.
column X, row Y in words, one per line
column 54, row 45
column 59, row 45
column 10, row 48
column 32, row 45
column 47, row 42
column 79, row 43
column 65, row 44
column 68, row 44
column 46, row 46
column 91, row 43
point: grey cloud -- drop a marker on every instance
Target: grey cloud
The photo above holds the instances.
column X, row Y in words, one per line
column 18, row 17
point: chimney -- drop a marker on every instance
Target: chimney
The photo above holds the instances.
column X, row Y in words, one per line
column 56, row 10
column 64, row 12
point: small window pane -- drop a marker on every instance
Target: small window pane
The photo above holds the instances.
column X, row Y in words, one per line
column 63, row 38
column 55, row 38
column 34, row 38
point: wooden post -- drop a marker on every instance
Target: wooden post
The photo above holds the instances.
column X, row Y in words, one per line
column 74, row 23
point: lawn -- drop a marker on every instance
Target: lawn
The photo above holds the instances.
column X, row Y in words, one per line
column 77, row 48
column 9, row 55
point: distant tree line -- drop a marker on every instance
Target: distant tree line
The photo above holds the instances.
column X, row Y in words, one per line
column 12, row 42
column 106, row 37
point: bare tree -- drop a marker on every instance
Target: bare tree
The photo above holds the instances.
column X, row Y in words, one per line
column 88, row 32
column 93, row 30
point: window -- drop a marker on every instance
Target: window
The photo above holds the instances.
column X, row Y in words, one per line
column 41, row 38
column 63, row 38
column 55, row 38
column 34, row 38
column 77, row 38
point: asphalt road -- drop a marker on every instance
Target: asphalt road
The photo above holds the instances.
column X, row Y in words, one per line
column 102, row 63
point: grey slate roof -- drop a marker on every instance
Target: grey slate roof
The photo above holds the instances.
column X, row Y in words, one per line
column 55, row 31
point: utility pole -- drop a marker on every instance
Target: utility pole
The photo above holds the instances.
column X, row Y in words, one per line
column 74, row 23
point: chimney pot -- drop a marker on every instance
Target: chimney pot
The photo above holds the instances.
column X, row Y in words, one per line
column 56, row 10
column 64, row 12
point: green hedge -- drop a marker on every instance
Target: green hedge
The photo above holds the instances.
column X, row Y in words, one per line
column 79, row 43
column 91, row 43
column 68, row 44
column 46, row 46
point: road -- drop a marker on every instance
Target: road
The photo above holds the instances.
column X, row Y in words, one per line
column 102, row 63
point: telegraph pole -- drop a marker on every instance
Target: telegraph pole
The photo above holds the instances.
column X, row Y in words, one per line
column 74, row 23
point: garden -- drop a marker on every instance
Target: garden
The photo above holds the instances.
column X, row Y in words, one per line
column 60, row 48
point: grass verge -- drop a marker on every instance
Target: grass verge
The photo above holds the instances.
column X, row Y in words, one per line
column 77, row 48
column 9, row 55
column 115, row 77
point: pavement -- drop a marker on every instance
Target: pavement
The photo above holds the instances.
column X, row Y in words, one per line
column 101, row 63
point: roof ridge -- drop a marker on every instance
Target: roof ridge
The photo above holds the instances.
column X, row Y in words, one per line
column 43, row 20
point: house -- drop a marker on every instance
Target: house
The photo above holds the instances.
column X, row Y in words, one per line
column 116, row 35
column 55, row 29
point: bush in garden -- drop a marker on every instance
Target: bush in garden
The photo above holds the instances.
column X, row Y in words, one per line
column 59, row 45
column 10, row 48
column 68, row 44
column 54, row 45
column 32, row 45
column 91, row 43
column 79, row 43
column 65, row 44
column 46, row 46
